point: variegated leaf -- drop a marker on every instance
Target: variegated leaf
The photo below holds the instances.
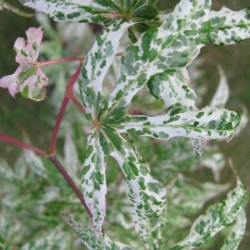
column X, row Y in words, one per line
column 7, row 6
column 229, row 27
column 188, row 197
column 87, row 236
column 237, row 232
column 147, row 196
column 222, row 93
column 207, row 123
column 173, row 88
column 93, row 11
column 214, row 161
column 94, row 181
column 53, row 240
column 97, row 64
column 217, row 217
column 172, row 46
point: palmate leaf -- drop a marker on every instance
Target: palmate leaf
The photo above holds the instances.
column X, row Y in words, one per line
column 172, row 46
column 94, row 181
column 208, row 123
column 96, row 66
column 95, row 11
column 217, row 217
column 228, row 26
column 236, row 233
column 147, row 196
column 87, row 236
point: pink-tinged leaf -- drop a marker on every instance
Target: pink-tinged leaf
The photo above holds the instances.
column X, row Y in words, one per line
column 28, row 79
column 28, row 51
column 10, row 82
column 33, row 86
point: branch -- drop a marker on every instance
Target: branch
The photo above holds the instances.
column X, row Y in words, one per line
column 68, row 96
column 22, row 145
column 69, row 180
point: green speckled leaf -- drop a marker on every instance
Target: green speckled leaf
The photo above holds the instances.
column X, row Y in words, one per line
column 53, row 240
column 172, row 46
column 87, row 236
column 173, row 88
column 94, row 11
column 147, row 196
column 207, row 123
column 94, row 181
column 229, row 27
column 217, row 217
column 96, row 65
column 188, row 196
column 236, row 233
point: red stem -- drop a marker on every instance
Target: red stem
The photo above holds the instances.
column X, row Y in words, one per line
column 67, row 59
column 68, row 95
column 22, row 145
column 69, row 180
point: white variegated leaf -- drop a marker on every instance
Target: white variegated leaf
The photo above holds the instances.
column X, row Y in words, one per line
column 228, row 26
column 173, row 88
column 222, row 93
column 53, row 240
column 94, row 181
column 147, row 196
column 96, row 66
column 87, row 236
column 93, row 11
column 188, row 196
column 236, row 233
column 172, row 46
column 207, row 123
column 244, row 121
column 197, row 145
column 217, row 217
column 215, row 161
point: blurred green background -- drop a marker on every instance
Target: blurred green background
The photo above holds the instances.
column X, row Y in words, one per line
column 19, row 116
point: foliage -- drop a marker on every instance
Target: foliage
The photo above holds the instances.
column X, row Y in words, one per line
column 160, row 197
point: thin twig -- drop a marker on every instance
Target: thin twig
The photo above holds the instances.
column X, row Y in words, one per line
column 63, row 109
column 67, row 59
column 58, row 125
column 22, row 145
column 69, row 180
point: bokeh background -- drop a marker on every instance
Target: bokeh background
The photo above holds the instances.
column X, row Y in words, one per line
column 19, row 117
